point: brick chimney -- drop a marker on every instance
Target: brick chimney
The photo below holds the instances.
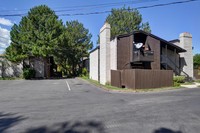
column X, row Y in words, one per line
column 187, row 57
column 105, row 54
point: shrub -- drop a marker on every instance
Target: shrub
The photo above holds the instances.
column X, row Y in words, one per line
column 85, row 72
column 178, row 80
column 176, row 84
column 29, row 73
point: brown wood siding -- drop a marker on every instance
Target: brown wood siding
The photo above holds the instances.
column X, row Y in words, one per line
column 131, row 47
column 141, row 79
column 197, row 73
column 128, row 78
column 153, row 78
column 124, row 49
column 116, row 78
column 155, row 47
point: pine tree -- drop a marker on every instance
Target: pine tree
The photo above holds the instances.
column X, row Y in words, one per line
column 37, row 35
column 125, row 21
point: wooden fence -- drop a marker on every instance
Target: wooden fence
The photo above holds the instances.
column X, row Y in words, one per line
column 116, row 78
column 141, row 78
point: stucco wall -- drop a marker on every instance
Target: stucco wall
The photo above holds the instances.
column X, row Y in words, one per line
column 104, row 63
column 113, row 54
column 105, row 54
column 187, row 57
column 94, row 69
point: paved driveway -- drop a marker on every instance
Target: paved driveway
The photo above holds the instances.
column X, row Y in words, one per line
column 75, row 106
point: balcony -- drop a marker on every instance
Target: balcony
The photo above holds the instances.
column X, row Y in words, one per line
column 143, row 56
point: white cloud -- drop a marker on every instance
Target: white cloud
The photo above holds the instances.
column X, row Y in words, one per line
column 4, row 38
column 6, row 22
column 2, row 51
column 3, row 45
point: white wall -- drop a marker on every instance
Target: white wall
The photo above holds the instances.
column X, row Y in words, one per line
column 186, row 43
column 105, row 54
column 104, row 63
column 94, row 65
column 113, row 54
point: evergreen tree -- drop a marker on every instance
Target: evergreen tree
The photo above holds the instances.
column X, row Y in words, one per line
column 125, row 21
column 196, row 61
column 76, row 42
column 37, row 34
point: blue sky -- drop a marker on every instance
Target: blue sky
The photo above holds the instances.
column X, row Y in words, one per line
column 166, row 22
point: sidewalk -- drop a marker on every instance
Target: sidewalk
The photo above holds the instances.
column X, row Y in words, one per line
column 195, row 85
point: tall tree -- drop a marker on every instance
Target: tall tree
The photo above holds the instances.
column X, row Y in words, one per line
column 76, row 43
column 15, row 52
column 196, row 61
column 37, row 34
column 125, row 21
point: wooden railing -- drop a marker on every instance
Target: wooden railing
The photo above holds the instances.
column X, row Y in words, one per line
column 143, row 56
column 166, row 60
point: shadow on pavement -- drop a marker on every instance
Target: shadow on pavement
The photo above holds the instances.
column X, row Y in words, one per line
column 8, row 120
column 165, row 130
column 69, row 127
column 52, row 78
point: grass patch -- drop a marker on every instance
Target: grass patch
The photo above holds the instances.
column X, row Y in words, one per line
column 9, row 78
column 106, row 87
column 112, row 88
column 188, row 83
column 198, row 81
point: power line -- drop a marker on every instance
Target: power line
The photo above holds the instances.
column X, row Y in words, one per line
column 72, row 8
column 142, row 7
column 111, row 4
column 104, row 5
column 102, row 12
column 75, row 8
column 167, row 4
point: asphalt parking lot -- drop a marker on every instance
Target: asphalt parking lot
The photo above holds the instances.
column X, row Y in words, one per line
column 75, row 106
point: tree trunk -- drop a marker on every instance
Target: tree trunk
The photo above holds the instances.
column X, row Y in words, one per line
column 73, row 70
column 46, row 67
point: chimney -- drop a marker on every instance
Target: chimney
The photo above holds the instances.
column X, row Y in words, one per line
column 105, row 34
column 187, row 57
column 105, row 54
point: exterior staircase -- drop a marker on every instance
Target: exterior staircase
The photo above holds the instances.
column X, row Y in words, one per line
column 168, row 64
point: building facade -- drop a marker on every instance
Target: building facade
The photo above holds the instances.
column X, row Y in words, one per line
column 140, row 50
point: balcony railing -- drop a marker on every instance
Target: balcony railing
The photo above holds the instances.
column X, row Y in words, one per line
column 143, row 56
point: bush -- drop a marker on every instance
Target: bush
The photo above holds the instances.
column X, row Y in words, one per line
column 85, row 72
column 178, row 80
column 176, row 84
column 28, row 73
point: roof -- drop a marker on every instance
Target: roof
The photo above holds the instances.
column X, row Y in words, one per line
column 174, row 41
column 97, row 47
column 179, row 49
